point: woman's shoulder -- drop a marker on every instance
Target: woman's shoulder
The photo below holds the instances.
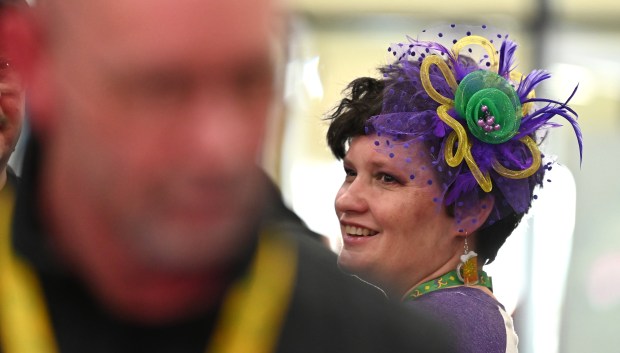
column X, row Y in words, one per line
column 478, row 319
column 459, row 295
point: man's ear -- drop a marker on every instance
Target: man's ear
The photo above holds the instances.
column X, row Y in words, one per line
column 470, row 217
column 23, row 43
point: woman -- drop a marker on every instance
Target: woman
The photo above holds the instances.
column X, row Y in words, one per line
column 441, row 160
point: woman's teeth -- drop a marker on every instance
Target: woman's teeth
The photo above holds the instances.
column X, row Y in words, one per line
column 358, row 231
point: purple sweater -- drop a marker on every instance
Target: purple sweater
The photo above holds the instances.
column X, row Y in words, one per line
column 479, row 322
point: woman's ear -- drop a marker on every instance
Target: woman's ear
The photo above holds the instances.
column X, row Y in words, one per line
column 468, row 218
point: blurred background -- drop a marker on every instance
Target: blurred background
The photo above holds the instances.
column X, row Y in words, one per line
column 559, row 273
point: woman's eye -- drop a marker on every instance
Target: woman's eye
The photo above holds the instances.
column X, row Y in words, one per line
column 386, row 178
column 349, row 172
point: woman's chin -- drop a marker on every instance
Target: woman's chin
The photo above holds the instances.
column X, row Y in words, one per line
column 353, row 264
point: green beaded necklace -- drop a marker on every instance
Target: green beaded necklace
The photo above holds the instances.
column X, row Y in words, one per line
column 448, row 280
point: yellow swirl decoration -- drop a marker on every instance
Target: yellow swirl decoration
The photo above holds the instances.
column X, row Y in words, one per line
column 463, row 149
column 484, row 180
column 426, row 79
column 529, row 171
column 457, row 139
column 458, row 135
column 477, row 40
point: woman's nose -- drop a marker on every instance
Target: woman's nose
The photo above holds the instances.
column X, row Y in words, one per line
column 351, row 198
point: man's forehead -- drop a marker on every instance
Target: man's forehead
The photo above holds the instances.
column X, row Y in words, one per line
column 172, row 24
column 211, row 12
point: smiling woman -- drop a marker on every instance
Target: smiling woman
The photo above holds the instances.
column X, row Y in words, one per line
column 393, row 204
column 441, row 160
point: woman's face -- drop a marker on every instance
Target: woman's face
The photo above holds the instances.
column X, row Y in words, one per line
column 394, row 231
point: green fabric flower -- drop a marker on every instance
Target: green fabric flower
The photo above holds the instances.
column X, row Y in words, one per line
column 490, row 106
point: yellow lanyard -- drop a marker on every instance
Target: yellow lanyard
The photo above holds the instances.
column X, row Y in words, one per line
column 250, row 320
column 23, row 317
column 254, row 311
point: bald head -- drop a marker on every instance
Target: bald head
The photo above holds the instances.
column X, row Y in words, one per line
column 115, row 17
column 143, row 31
column 153, row 114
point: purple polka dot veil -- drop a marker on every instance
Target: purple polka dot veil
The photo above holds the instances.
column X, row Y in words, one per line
column 455, row 90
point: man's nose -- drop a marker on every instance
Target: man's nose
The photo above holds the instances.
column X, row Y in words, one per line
column 217, row 131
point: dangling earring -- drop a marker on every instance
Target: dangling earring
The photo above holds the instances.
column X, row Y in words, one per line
column 469, row 266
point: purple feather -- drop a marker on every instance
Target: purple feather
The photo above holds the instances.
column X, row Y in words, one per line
column 430, row 45
column 464, row 183
column 552, row 102
column 483, row 154
column 506, row 58
column 514, row 155
column 440, row 129
column 530, row 82
column 540, row 118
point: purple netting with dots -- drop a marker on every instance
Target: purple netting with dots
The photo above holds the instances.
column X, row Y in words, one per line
column 409, row 118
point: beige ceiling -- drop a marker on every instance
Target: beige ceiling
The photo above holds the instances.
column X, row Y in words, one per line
column 447, row 8
column 595, row 11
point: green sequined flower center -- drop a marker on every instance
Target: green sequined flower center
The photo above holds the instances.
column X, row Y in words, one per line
column 490, row 106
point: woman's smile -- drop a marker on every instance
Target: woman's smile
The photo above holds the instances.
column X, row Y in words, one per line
column 355, row 231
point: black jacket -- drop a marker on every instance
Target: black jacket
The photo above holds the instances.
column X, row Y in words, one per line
column 329, row 311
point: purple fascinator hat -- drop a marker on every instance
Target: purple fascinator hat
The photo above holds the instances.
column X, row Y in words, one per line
column 457, row 92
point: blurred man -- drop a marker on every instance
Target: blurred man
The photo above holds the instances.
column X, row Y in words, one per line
column 11, row 105
column 143, row 223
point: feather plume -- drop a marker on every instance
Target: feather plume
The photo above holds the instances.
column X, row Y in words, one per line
column 530, row 82
column 540, row 118
column 506, row 58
